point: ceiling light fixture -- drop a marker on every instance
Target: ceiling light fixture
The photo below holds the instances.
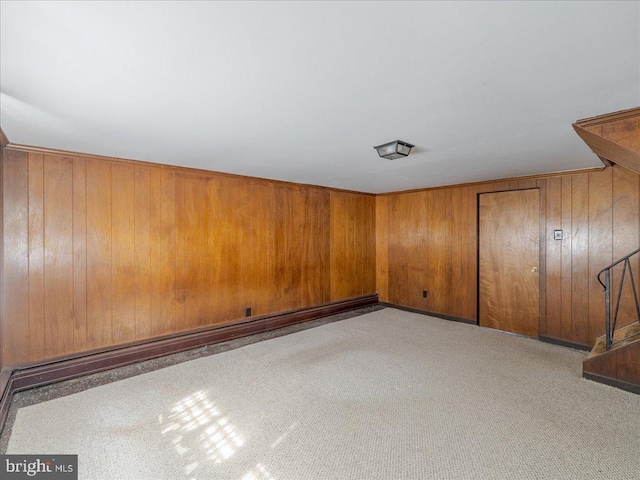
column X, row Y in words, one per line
column 393, row 150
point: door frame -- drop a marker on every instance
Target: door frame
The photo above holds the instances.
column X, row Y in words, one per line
column 542, row 248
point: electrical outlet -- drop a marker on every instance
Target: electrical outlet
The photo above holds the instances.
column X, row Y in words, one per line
column 247, row 312
column 424, row 294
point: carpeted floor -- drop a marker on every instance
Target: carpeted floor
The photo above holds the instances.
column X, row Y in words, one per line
column 389, row 394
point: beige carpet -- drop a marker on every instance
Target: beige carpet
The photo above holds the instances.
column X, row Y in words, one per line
column 385, row 395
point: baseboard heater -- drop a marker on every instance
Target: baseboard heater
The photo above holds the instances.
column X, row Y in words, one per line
column 37, row 375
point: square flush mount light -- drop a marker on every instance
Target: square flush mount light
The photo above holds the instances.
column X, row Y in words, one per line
column 393, row 150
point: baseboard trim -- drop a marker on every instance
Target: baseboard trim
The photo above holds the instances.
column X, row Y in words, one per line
column 431, row 314
column 31, row 376
column 612, row 382
column 565, row 343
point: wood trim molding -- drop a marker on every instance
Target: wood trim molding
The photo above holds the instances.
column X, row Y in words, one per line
column 497, row 180
column 611, row 151
column 196, row 171
column 430, row 314
column 608, row 117
column 612, row 382
column 182, row 169
column 38, row 375
column 564, row 343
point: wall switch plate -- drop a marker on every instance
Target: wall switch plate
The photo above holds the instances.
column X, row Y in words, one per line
column 557, row 234
column 247, row 312
column 424, row 293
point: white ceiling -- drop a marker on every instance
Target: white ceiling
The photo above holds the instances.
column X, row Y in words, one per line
column 302, row 91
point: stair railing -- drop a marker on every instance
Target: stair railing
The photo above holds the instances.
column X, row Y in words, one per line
column 609, row 322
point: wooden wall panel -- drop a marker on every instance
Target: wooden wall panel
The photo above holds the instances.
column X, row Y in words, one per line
column 58, row 255
column 262, row 248
column 600, row 245
column 15, row 273
column 105, row 252
column 382, row 248
column 79, row 254
column 123, row 272
column 352, row 244
column 550, row 321
column 99, row 213
column 566, row 328
column 459, row 245
column 597, row 212
column 142, row 252
column 36, row 256
column 314, row 223
column 580, row 258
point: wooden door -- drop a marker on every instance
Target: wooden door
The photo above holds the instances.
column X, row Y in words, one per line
column 509, row 254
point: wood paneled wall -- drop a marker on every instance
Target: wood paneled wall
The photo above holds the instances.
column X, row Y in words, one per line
column 428, row 241
column 99, row 252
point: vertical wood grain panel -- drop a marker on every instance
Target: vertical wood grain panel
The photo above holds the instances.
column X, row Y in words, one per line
column 382, row 248
column 275, row 249
column 58, row 257
column 358, row 219
column 551, row 324
column 294, row 246
column 352, row 250
column 79, row 254
column 458, row 252
column 542, row 242
column 195, row 288
column 181, row 290
column 15, row 275
column 404, row 237
column 324, row 249
column 243, row 193
column 217, row 249
column 235, row 211
column 600, row 245
column 580, row 258
column 473, row 192
column 368, row 245
column 142, row 252
column 165, row 255
column 313, row 225
column 567, row 232
column 340, row 261
column 259, row 250
column 123, row 253
column 208, row 229
column 36, row 257
column 99, row 307
column 156, row 251
column 439, row 269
